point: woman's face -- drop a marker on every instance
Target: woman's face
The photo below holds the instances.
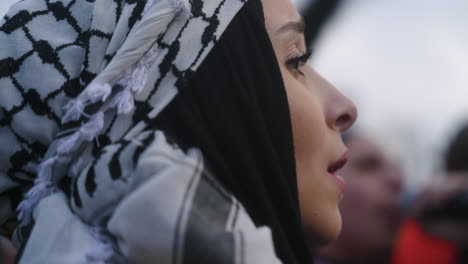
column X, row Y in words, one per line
column 319, row 113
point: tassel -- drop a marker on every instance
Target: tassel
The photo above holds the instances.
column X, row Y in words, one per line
column 124, row 102
column 93, row 127
column 138, row 78
column 69, row 145
column 45, row 169
column 123, row 82
column 43, row 187
column 149, row 57
column 181, row 6
column 98, row 92
column 140, row 74
column 32, row 198
column 74, row 111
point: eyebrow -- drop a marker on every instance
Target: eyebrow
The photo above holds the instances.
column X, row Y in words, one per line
column 297, row 26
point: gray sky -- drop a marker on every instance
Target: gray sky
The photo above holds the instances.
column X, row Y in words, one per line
column 405, row 63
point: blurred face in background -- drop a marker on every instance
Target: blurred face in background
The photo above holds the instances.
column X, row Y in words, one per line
column 370, row 208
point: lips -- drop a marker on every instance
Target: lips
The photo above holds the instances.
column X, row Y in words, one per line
column 334, row 167
column 338, row 164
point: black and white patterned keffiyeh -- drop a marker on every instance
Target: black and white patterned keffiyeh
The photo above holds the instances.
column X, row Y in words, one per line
column 97, row 173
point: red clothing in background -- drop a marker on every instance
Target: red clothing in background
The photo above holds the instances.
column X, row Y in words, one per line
column 415, row 246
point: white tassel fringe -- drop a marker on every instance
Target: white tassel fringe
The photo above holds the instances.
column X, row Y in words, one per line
column 43, row 187
column 182, row 6
column 93, row 127
column 74, row 111
column 137, row 79
column 124, row 102
column 99, row 92
column 69, row 145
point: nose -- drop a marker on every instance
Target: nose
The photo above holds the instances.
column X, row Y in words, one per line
column 341, row 111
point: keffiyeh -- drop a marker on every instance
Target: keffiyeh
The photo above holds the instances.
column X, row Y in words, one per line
column 90, row 117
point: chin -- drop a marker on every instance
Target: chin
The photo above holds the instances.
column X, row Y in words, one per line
column 323, row 232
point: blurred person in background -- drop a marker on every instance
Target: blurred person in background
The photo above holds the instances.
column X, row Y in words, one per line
column 316, row 13
column 434, row 229
column 456, row 159
column 370, row 208
column 437, row 227
column 7, row 251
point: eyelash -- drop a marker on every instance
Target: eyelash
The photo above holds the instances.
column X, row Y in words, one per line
column 299, row 61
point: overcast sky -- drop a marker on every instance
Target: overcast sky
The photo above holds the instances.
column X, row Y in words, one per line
column 405, row 63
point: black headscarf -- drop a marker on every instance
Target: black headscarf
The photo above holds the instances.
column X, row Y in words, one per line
column 235, row 110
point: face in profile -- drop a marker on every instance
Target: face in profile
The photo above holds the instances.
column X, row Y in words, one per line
column 319, row 114
column 370, row 209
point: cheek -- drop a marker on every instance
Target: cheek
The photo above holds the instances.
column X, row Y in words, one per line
column 318, row 202
column 307, row 119
column 318, row 194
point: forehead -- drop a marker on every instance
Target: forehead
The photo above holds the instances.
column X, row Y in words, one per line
column 279, row 12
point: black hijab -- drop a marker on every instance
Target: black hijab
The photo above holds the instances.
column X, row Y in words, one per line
column 234, row 108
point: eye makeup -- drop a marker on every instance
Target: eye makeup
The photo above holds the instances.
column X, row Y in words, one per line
column 299, row 60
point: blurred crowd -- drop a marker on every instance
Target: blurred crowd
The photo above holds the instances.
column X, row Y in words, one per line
column 379, row 226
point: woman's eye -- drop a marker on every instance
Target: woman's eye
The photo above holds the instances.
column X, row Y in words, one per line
column 298, row 61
